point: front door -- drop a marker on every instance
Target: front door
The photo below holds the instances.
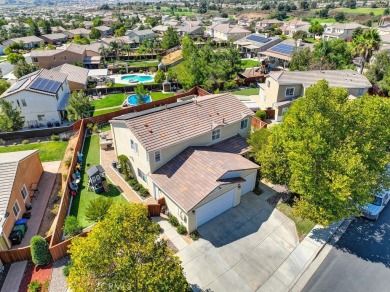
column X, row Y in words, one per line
column 156, row 191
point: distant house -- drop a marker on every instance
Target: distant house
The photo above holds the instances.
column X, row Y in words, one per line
column 88, row 24
column 82, row 32
column 19, row 172
column 341, row 31
column 29, row 42
column 226, row 32
column 41, row 96
column 280, row 54
column 251, row 45
column 190, row 30
column 160, row 29
column 77, row 76
column 196, row 164
column 57, row 29
column 220, row 20
column 291, row 27
column 281, row 88
column 140, row 35
column 268, row 23
column 104, row 30
column 123, row 40
column 55, row 38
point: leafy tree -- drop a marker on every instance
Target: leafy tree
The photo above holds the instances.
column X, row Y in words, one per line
column 79, row 106
column 122, row 251
column 114, row 47
column 386, row 11
column 95, row 34
column 81, row 41
column 202, row 7
column 323, row 13
column 332, row 54
column 300, row 34
column 365, row 44
column 103, row 52
column 7, row 50
column 170, row 39
column 379, row 71
column 45, row 26
column 188, row 47
column 97, row 21
column 261, row 114
column 316, row 28
column 120, row 32
column 10, row 118
column 23, row 68
column 357, row 32
column 339, row 16
column 40, row 254
column 141, row 92
column 71, row 226
column 4, row 85
column 258, row 140
column 14, row 58
column 300, row 60
column 304, row 5
column 97, row 209
column 324, row 151
column 159, row 77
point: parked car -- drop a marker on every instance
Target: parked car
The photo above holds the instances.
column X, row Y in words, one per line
column 372, row 210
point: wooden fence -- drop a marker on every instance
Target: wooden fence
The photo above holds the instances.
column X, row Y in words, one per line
column 258, row 124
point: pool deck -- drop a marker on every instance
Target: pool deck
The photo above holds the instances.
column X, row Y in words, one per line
column 117, row 78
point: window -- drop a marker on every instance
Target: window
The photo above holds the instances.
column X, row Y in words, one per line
column 244, row 124
column 17, row 101
column 54, row 58
column 41, row 117
column 157, row 156
column 64, row 58
column 216, row 134
column 24, row 192
column 35, row 60
column 24, row 102
column 360, row 92
column 133, row 146
column 141, row 175
column 268, row 83
column 16, row 209
column 290, row 91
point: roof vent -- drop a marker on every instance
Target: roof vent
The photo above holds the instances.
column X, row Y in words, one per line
column 151, row 131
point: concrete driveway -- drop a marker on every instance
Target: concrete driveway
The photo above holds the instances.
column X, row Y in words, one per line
column 240, row 249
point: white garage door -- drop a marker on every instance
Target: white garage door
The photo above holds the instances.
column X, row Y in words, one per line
column 248, row 185
column 215, row 207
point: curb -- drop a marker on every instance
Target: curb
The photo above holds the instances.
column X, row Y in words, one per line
column 334, row 238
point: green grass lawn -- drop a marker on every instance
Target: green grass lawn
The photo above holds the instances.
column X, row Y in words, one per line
column 48, row 151
column 247, row 91
column 119, row 85
column 105, row 111
column 303, row 226
column 80, row 202
column 109, row 101
column 3, row 58
column 323, row 20
column 138, row 63
column 377, row 11
column 249, row 64
column 159, row 95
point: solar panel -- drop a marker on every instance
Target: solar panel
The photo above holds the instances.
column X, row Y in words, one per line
column 17, row 85
column 46, row 85
column 258, row 39
column 283, row 49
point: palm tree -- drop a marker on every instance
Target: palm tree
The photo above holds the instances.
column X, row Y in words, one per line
column 115, row 47
column 103, row 52
column 365, row 44
column 127, row 49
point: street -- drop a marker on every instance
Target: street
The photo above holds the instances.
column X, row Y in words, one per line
column 360, row 261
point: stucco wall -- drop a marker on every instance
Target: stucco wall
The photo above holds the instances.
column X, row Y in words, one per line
column 65, row 57
column 29, row 171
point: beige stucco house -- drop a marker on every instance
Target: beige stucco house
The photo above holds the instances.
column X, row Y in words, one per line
column 281, row 88
column 19, row 171
column 190, row 153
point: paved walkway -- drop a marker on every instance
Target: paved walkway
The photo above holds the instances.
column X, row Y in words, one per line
column 171, row 233
column 106, row 158
column 14, row 277
column 39, row 202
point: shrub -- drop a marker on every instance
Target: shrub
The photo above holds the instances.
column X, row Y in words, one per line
column 64, row 137
column 261, row 114
column 66, row 270
column 98, row 208
column 64, row 176
column 108, row 84
column 2, row 142
column 181, row 229
column 195, row 235
column 122, row 71
column 173, row 220
column 95, row 128
column 125, row 166
column 54, row 137
column 71, row 226
column 144, row 192
column 230, row 85
column 25, row 142
column 55, row 209
column 34, row 286
column 40, row 253
column 68, row 161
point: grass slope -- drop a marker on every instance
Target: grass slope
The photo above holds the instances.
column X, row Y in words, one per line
column 48, row 151
column 247, row 91
column 377, row 11
column 91, row 153
column 249, row 64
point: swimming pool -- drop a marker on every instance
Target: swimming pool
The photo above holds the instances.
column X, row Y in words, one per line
column 133, row 99
column 135, row 78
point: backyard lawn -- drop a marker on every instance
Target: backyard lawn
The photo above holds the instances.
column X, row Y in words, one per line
column 91, row 153
column 377, row 11
column 303, row 226
column 159, row 95
column 247, row 91
column 109, row 101
column 48, row 151
column 322, row 20
column 249, row 63
column 105, row 111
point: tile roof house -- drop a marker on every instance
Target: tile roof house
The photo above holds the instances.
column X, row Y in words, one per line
column 140, row 35
column 29, row 42
column 341, row 31
column 19, row 171
column 281, row 88
column 41, row 97
column 251, row 45
column 55, row 38
column 190, row 153
column 226, row 32
column 104, row 30
column 77, row 76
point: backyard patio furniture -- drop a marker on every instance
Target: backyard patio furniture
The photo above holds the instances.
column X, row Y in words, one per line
column 76, row 180
column 73, row 186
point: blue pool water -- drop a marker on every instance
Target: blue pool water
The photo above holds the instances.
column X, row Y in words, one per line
column 133, row 100
column 137, row 78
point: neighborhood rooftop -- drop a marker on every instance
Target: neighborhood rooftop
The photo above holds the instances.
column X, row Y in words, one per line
column 336, row 78
column 167, row 126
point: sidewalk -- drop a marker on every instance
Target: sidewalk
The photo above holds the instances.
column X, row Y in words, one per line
column 14, row 277
column 290, row 271
column 171, row 233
